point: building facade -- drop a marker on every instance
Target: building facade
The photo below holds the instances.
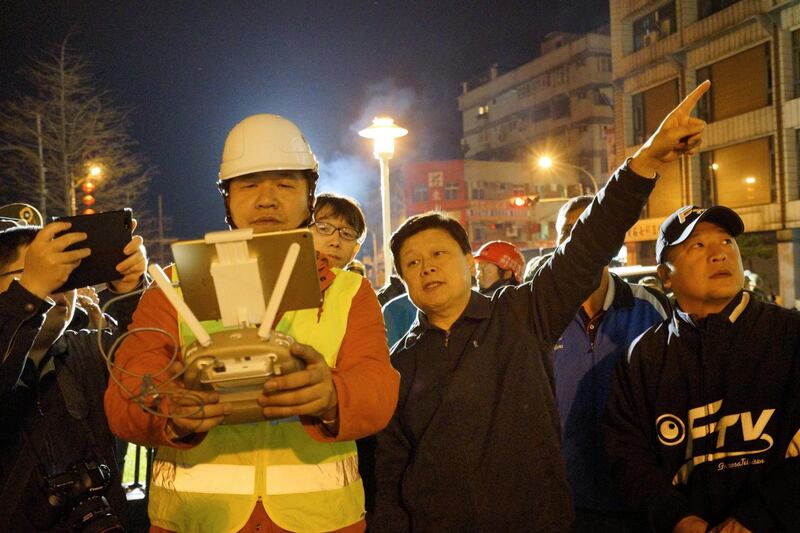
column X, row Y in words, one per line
column 481, row 194
column 558, row 105
column 750, row 50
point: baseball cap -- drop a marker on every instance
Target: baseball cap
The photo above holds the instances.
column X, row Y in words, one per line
column 680, row 225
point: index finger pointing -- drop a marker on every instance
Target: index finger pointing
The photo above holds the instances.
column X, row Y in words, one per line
column 693, row 97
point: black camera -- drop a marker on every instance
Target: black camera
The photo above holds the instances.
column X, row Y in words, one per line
column 76, row 499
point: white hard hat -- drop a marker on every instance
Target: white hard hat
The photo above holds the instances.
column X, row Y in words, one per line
column 265, row 142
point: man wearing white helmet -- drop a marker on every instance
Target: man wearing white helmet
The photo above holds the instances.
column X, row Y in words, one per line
column 297, row 471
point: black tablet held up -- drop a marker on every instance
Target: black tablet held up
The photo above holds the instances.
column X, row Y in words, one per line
column 106, row 236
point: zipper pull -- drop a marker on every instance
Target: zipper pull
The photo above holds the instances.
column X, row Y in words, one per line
column 446, row 337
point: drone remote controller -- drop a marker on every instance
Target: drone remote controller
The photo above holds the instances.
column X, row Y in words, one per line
column 236, row 364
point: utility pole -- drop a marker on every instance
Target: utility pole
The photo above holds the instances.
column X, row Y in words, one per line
column 160, row 230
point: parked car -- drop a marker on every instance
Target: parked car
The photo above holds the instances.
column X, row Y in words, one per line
column 634, row 273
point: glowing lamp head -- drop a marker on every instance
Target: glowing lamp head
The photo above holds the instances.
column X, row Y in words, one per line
column 88, row 200
column 545, row 162
column 383, row 131
column 95, row 170
column 88, row 186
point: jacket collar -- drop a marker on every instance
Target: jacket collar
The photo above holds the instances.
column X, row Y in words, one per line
column 491, row 289
column 731, row 313
column 619, row 294
column 479, row 307
column 326, row 275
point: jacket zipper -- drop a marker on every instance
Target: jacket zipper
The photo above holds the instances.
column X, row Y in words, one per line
column 446, row 338
column 704, row 394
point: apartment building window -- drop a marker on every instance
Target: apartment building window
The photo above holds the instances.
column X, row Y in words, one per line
column 650, row 107
column 739, row 84
column 739, row 175
column 796, row 62
column 541, row 112
column 604, row 64
column 478, row 193
column 451, row 191
column 559, row 76
column 654, row 26
column 525, row 90
column 706, row 8
column 478, row 232
column 601, row 98
column 560, row 107
column 483, row 111
column 420, row 193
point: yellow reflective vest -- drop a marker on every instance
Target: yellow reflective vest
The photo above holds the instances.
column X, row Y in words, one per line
column 305, row 485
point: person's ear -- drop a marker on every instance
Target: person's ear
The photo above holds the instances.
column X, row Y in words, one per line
column 664, row 271
column 356, row 248
column 471, row 262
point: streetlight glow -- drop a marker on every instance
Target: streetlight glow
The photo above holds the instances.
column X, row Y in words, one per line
column 95, row 170
column 750, row 180
column 383, row 131
column 545, row 162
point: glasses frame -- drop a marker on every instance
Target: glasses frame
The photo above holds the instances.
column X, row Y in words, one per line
column 357, row 239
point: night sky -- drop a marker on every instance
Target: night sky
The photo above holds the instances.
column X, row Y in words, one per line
column 191, row 70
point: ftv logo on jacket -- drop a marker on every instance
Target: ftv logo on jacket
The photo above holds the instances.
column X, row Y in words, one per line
column 733, row 435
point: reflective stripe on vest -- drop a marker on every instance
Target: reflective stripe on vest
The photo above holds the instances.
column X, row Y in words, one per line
column 205, row 478
column 241, row 479
column 305, row 485
column 302, row 479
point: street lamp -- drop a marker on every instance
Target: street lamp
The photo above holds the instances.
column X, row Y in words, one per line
column 546, row 162
column 88, row 184
column 383, row 131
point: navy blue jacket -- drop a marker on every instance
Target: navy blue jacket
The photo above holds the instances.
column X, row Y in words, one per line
column 474, row 442
column 704, row 419
column 584, row 365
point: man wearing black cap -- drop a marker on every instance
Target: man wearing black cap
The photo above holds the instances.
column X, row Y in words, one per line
column 703, row 424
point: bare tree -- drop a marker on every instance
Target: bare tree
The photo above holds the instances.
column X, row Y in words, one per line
column 80, row 127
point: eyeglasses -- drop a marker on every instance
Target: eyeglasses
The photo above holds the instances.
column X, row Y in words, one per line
column 12, row 272
column 348, row 234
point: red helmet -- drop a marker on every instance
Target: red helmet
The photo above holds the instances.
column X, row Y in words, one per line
column 503, row 254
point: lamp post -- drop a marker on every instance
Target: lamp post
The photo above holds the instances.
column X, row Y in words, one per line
column 383, row 131
column 87, row 184
column 547, row 162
